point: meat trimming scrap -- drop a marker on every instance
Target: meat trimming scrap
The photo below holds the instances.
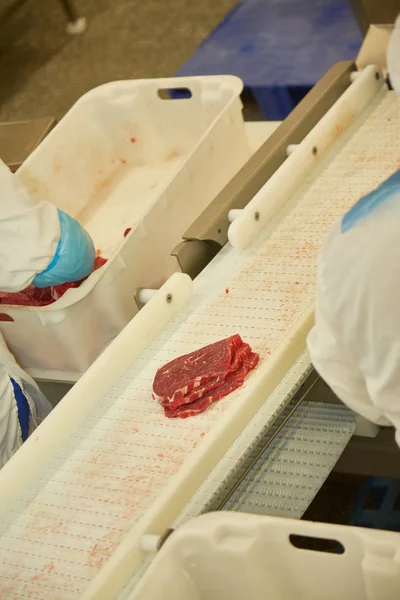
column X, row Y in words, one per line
column 188, row 384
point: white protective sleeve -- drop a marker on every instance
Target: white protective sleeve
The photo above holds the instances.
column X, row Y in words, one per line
column 336, row 366
column 10, row 430
column 355, row 344
column 29, row 233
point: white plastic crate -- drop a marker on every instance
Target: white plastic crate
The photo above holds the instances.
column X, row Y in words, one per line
column 124, row 157
column 230, row 556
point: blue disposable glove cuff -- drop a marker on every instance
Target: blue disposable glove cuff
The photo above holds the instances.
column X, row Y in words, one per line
column 74, row 257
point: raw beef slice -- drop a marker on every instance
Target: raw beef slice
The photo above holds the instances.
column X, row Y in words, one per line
column 206, row 366
column 233, row 381
column 190, row 383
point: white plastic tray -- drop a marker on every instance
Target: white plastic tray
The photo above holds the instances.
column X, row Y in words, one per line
column 226, row 556
column 124, row 157
column 107, row 466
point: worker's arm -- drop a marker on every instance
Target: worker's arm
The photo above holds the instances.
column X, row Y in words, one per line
column 22, row 405
column 380, row 360
column 39, row 244
column 355, row 344
column 335, row 365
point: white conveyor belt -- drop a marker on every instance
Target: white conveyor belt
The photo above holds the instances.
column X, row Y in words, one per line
column 289, row 473
column 287, row 476
column 79, row 494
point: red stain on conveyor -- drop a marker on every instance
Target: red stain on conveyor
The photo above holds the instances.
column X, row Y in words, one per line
column 131, row 491
column 96, row 556
column 133, row 140
column 102, row 550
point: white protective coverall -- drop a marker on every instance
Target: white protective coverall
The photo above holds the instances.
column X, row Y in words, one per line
column 39, row 244
column 355, row 343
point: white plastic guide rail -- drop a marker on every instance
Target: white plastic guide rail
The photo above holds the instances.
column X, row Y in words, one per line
column 308, row 154
column 107, row 467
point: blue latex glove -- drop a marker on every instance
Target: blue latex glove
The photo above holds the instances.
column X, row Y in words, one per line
column 368, row 204
column 74, row 257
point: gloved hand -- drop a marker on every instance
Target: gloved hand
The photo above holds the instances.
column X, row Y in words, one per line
column 74, row 257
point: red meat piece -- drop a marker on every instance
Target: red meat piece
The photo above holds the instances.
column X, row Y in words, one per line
column 24, row 298
column 194, row 394
column 239, row 355
column 189, row 384
column 57, row 291
column 99, row 261
column 233, row 381
column 177, row 378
